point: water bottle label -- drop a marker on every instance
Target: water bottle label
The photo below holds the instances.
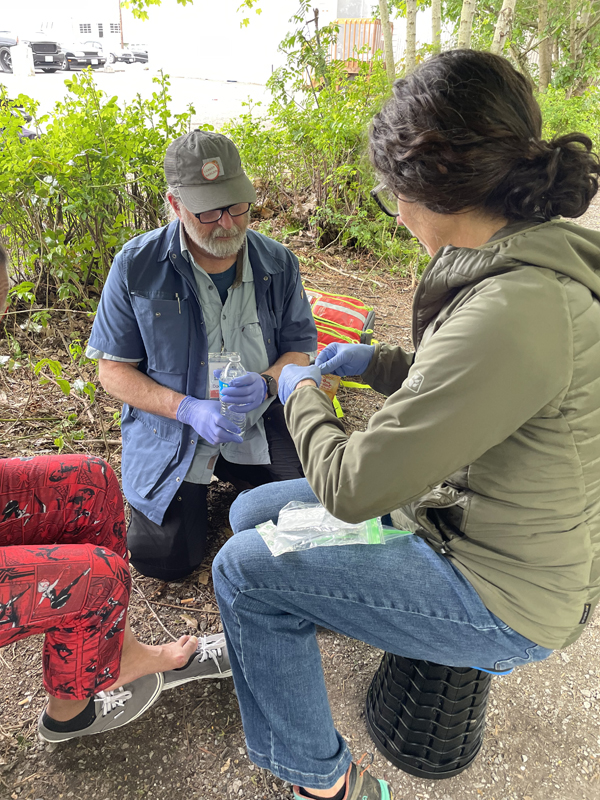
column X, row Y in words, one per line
column 222, row 386
column 216, row 363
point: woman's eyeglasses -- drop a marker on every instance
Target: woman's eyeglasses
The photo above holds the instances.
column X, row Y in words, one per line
column 386, row 200
column 236, row 210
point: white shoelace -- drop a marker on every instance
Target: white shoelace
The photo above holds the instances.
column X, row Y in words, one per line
column 211, row 652
column 114, row 699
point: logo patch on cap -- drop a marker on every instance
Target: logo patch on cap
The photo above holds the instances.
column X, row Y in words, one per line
column 212, row 168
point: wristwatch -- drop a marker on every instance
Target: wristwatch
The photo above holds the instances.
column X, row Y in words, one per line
column 271, row 384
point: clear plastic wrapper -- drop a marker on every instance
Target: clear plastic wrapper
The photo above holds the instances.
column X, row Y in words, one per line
column 302, row 526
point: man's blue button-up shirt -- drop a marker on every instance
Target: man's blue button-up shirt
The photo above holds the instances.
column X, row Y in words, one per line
column 150, row 311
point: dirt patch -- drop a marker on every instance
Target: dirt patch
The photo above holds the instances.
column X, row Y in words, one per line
column 542, row 738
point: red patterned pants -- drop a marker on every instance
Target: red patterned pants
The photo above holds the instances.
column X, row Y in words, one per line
column 63, row 568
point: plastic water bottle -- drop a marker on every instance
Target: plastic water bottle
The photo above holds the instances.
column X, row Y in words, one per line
column 232, row 370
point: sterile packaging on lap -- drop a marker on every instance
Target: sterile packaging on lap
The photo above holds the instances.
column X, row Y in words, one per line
column 302, row 526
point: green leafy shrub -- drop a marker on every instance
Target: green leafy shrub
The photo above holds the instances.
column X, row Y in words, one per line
column 308, row 152
column 74, row 196
column 563, row 114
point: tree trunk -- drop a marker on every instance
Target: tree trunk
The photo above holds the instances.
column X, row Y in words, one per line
column 466, row 22
column 410, row 55
column 436, row 25
column 521, row 60
column 388, row 48
column 573, row 5
column 503, row 26
column 545, row 47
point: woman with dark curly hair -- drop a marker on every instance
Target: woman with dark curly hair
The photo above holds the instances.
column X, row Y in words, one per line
column 487, row 447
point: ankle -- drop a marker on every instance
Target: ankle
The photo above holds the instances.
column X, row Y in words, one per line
column 82, row 719
column 64, row 710
column 336, row 792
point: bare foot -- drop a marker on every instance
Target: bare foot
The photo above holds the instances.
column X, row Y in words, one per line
column 139, row 659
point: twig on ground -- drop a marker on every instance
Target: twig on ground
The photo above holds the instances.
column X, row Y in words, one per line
column 158, row 619
column 182, row 608
column 29, row 419
column 21, row 724
column 99, row 441
column 61, row 311
column 355, row 277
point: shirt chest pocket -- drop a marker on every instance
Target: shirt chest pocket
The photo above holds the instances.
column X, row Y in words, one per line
column 164, row 322
column 252, row 330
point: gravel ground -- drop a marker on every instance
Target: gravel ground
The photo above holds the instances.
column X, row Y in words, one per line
column 542, row 740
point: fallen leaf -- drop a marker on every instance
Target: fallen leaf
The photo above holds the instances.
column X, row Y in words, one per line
column 227, row 532
column 191, row 622
column 226, row 766
column 203, row 578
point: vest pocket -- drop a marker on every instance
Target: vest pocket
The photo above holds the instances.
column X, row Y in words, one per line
column 164, row 323
column 150, row 443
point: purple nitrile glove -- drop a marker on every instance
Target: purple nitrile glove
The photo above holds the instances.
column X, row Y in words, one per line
column 290, row 377
column 246, row 392
column 205, row 418
column 344, row 359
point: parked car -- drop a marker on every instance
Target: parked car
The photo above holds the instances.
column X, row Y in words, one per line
column 83, row 55
column 7, row 41
column 140, row 52
column 116, row 54
column 112, row 52
column 47, row 54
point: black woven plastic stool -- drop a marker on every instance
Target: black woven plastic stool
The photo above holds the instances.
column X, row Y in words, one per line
column 427, row 719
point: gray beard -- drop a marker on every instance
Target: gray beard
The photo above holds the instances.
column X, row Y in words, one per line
column 220, row 246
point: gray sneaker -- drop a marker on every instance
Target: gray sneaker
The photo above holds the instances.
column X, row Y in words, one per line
column 113, row 709
column 210, row 660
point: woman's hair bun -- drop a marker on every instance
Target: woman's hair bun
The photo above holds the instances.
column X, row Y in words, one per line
column 559, row 178
column 464, row 131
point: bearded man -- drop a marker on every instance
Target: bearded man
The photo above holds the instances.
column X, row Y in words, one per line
column 176, row 300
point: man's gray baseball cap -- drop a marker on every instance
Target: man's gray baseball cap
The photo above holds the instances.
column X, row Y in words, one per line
column 207, row 170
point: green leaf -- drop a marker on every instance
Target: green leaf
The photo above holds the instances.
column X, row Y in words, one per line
column 90, row 390
column 64, row 385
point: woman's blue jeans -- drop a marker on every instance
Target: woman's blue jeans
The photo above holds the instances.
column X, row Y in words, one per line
column 401, row 597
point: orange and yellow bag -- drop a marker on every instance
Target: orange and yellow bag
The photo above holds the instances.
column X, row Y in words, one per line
column 340, row 318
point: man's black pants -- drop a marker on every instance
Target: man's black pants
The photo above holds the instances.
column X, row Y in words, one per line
column 177, row 547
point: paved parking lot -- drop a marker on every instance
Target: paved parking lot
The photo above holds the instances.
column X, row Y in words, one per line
column 215, row 102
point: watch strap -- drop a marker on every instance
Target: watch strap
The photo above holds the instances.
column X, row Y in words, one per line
column 271, row 384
